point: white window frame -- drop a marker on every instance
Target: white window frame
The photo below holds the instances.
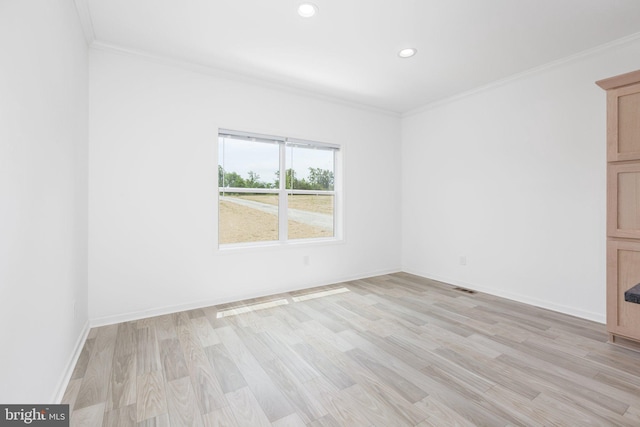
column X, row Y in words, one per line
column 283, row 192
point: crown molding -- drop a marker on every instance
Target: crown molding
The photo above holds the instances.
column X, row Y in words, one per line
column 530, row 72
column 237, row 77
column 82, row 8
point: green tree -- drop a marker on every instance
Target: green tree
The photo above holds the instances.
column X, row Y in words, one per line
column 254, row 181
column 232, row 179
column 320, row 179
column 291, row 179
column 220, row 176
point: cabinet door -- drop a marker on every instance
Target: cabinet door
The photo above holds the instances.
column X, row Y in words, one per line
column 623, row 272
column 623, row 123
column 623, row 194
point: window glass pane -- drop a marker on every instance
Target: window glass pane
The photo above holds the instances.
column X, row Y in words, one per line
column 310, row 215
column 247, row 164
column 309, row 168
column 248, row 217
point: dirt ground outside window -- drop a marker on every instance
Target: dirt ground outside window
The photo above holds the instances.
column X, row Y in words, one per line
column 239, row 223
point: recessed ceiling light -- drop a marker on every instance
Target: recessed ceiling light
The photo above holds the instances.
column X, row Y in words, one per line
column 307, row 10
column 407, row 53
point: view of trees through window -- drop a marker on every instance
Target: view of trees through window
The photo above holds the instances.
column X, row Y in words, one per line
column 250, row 197
column 318, row 179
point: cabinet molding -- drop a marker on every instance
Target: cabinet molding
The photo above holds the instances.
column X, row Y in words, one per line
column 623, row 200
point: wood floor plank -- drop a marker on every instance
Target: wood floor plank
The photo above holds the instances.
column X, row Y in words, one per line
column 71, row 393
column 299, row 314
column 619, row 381
column 205, row 384
column 377, row 357
column 316, row 329
column 122, row 387
column 633, row 415
column 159, row 421
column 222, row 417
column 126, row 340
column 283, row 326
column 95, row 383
column 291, row 386
column 377, row 410
column 468, row 401
column 88, row 416
column 165, row 327
column 121, row 417
column 572, row 410
column 393, row 350
column 325, row 366
column 401, row 385
column 151, row 399
column 246, row 409
column 441, row 414
column 326, row 421
column 256, row 346
column 377, row 389
column 147, row 354
column 272, row 401
column 226, row 370
column 525, row 410
column 567, row 383
column 181, row 404
column 195, row 313
column 417, row 359
column 340, row 406
column 502, row 375
column 375, row 385
column 93, row 332
column 316, row 311
column 299, row 367
column 172, row 357
column 292, row 420
column 205, row 331
column 83, row 359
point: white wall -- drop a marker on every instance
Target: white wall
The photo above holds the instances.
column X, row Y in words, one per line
column 43, row 196
column 513, row 178
column 152, row 192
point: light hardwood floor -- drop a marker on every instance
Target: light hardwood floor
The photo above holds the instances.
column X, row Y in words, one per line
column 395, row 350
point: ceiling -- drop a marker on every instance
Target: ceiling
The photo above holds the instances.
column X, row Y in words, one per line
column 349, row 49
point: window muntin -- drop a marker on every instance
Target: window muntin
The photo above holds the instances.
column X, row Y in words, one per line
column 256, row 206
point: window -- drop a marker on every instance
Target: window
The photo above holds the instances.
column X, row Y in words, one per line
column 256, row 205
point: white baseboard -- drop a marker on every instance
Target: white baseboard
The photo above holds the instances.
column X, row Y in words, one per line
column 572, row 311
column 71, row 364
column 136, row 315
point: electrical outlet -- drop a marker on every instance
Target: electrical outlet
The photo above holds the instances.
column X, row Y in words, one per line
column 463, row 260
column 74, row 310
column 305, row 260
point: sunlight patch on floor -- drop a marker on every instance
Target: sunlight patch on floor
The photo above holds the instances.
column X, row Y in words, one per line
column 253, row 307
column 320, row 294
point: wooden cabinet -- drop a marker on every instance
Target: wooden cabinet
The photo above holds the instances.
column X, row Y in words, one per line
column 623, row 205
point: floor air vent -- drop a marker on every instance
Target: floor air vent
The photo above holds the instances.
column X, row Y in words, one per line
column 466, row 291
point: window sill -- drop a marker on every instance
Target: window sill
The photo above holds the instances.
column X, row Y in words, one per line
column 237, row 248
